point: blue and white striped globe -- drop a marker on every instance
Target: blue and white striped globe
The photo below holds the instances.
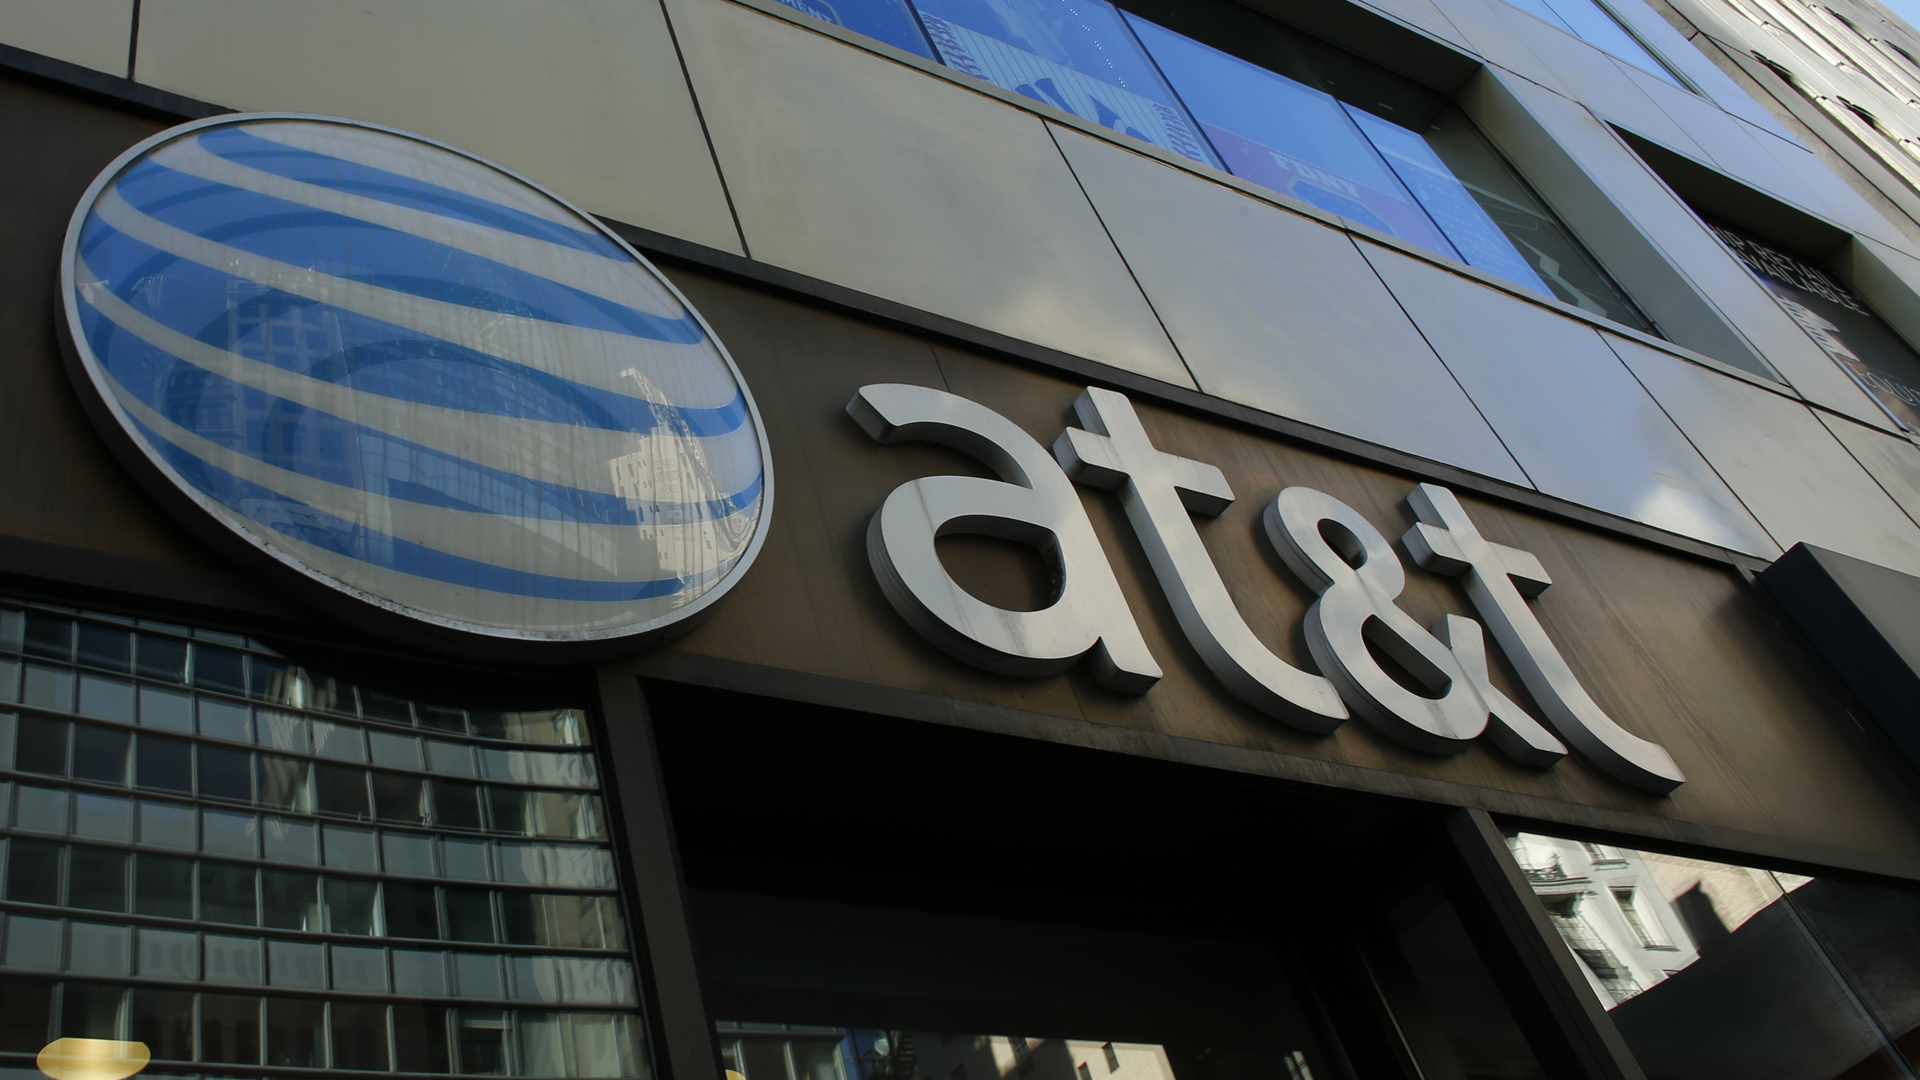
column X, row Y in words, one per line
column 415, row 377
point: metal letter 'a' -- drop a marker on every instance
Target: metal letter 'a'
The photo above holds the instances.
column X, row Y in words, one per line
column 1159, row 492
column 1034, row 503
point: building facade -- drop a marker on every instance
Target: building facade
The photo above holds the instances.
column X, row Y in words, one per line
column 957, row 540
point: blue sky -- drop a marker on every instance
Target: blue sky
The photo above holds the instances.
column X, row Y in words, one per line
column 1906, row 9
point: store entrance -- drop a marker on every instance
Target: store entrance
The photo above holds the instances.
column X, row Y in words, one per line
column 884, row 899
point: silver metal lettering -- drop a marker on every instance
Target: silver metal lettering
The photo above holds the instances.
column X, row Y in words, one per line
column 1034, row 503
column 1160, row 492
column 1498, row 580
column 1358, row 576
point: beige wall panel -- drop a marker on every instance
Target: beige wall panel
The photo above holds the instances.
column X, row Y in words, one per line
column 1486, row 27
column 873, row 175
column 1277, row 311
column 584, row 96
column 1597, row 81
column 1684, row 277
column 1893, row 462
column 1678, row 52
column 1733, row 145
column 91, row 33
column 1842, row 203
column 1573, row 417
column 1423, row 14
column 1787, row 468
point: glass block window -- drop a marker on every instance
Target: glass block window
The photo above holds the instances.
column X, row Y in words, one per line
column 237, row 861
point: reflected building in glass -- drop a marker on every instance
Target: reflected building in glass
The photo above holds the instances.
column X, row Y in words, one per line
column 237, row 861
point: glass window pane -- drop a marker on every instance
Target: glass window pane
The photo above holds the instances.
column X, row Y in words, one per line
column 96, row 879
column 399, row 798
column 883, row 20
column 106, row 699
column 98, row 949
column 226, row 833
column 169, row 954
column 100, row 754
column 350, row 848
column 1561, row 262
column 360, row 1036
column 226, row 894
column 350, row 906
column 1073, row 54
column 225, row 773
column 42, row 747
column 218, row 669
column 1731, row 978
column 24, row 1022
column 49, row 636
column 290, row 901
column 164, row 764
column 340, row 741
column 91, row 1011
column 431, row 716
column 161, row 658
column 395, row 751
column 167, row 709
column 1479, row 241
column 102, row 817
column 288, row 840
column 225, row 720
column 507, row 807
column 456, row 805
column 48, row 688
column 234, row 960
column 163, row 1019
column 169, row 824
column 33, row 872
column 230, row 1029
column 412, row 910
column 420, row 1039
column 284, row 783
column 163, row 886
column 1838, row 320
column 482, row 1042
column 341, row 791
column 384, row 707
column 469, row 915
column 1292, row 138
column 293, row 1033
column 105, row 647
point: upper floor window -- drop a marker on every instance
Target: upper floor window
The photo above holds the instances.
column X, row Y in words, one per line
column 1592, row 22
column 1284, row 111
column 1839, row 320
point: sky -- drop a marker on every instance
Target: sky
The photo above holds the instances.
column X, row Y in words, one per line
column 1906, row 9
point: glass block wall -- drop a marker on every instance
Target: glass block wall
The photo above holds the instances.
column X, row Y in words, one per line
column 251, row 867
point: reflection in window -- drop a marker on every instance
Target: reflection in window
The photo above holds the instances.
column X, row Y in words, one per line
column 229, row 868
column 1590, row 21
column 806, row 1052
column 1074, row 54
column 1835, row 316
column 1711, row 969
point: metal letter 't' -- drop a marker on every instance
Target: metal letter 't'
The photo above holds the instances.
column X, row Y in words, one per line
column 1499, row 578
column 1158, row 490
column 1032, row 502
